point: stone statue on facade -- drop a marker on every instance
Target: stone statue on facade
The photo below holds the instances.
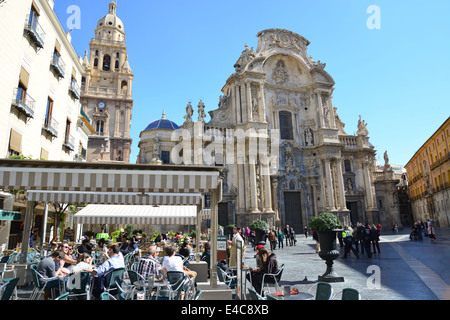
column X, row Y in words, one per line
column 362, row 128
column 201, row 111
column 189, row 112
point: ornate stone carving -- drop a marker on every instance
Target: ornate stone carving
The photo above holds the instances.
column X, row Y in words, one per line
column 246, row 57
column 280, row 73
column 224, row 102
column 309, row 137
column 362, row 128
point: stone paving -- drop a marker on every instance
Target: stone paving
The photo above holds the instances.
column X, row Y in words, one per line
column 405, row 269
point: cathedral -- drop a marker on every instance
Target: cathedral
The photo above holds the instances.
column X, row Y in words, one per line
column 106, row 91
column 278, row 101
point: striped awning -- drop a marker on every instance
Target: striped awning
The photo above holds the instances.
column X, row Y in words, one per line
column 125, row 198
column 122, row 214
column 103, row 177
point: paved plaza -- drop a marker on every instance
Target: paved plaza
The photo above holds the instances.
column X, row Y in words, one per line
column 405, row 269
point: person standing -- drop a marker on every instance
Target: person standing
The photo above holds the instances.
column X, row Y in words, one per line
column 375, row 239
column 280, row 238
column 287, row 234
column 431, row 233
column 367, row 238
column 347, row 238
column 306, row 232
column 292, row 239
column 233, row 247
column 360, row 231
column 272, row 239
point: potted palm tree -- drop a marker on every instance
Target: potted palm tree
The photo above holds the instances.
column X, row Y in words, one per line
column 327, row 225
column 261, row 229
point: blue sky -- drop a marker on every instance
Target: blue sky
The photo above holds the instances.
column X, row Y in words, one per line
column 395, row 77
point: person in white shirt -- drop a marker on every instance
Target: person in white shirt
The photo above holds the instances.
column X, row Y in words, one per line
column 233, row 247
column 175, row 263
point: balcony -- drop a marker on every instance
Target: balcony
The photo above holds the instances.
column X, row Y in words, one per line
column 69, row 142
column 23, row 102
column 34, row 30
column 74, row 90
column 50, row 126
column 57, row 65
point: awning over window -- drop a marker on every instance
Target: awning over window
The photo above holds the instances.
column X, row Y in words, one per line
column 122, row 214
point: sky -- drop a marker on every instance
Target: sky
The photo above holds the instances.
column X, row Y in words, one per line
column 389, row 59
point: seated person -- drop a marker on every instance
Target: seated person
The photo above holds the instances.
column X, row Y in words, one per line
column 175, row 263
column 84, row 261
column 185, row 249
column 123, row 247
column 149, row 263
column 85, row 247
column 47, row 268
column 269, row 265
column 68, row 261
column 114, row 262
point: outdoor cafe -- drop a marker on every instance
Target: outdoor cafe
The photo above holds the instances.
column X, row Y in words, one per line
column 151, row 194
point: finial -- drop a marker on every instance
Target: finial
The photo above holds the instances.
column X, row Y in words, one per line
column 164, row 115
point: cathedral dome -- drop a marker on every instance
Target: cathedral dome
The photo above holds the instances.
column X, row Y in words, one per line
column 111, row 20
column 162, row 123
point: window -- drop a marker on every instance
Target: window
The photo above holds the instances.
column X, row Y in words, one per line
column 347, row 166
column 96, row 53
column 124, row 85
column 100, row 127
column 165, row 157
column 67, row 134
column 48, row 113
column 286, row 131
column 117, row 64
column 106, row 62
column 117, row 55
column 95, row 63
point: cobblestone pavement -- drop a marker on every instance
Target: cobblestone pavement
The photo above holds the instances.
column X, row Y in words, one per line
column 404, row 270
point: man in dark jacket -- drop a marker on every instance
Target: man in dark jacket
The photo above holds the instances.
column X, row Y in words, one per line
column 367, row 239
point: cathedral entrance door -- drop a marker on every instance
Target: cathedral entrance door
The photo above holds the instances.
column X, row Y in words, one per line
column 353, row 207
column 293, row 211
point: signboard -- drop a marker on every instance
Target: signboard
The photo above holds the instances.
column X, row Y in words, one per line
column 10, row 215
column 221, row 248
column 69, row 235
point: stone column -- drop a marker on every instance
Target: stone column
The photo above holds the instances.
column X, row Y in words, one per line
column 127, row 120
column 319, row 104
column 117, row 122
column 252, row 185
column 5, row 228
column 267, row 191
column 342, row 203
column 329, row 182
column 275, row 196
column 248, row 86
column 262, row 104
column 314, row 192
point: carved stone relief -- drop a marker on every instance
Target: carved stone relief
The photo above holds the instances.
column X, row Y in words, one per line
column 280, row 73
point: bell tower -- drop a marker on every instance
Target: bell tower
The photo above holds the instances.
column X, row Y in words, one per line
column 106, row 95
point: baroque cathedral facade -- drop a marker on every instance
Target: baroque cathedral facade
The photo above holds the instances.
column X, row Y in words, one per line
column 315, row 165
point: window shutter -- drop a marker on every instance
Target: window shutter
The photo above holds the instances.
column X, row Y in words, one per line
column 15, row 141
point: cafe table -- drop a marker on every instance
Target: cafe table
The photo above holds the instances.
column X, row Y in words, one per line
column 144, row 284
column 292, row 296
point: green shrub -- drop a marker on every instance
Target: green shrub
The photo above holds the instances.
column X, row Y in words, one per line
column 324, row 222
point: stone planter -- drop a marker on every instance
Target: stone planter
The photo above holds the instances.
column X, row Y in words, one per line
column 260, row 237
column 329, row 253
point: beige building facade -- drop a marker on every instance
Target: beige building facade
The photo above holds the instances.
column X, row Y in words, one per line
column 106, row 91
column 41, row 116
column 278, row 101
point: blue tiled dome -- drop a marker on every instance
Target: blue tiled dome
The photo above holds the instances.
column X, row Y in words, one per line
column 162, row 123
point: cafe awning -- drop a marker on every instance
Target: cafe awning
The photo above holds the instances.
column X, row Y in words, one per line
column 10, row 215
column 136, row 214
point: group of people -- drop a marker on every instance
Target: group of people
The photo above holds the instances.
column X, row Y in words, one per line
column 422, row 229
column 63, row 262
column 278, row 236
column 363, row 236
